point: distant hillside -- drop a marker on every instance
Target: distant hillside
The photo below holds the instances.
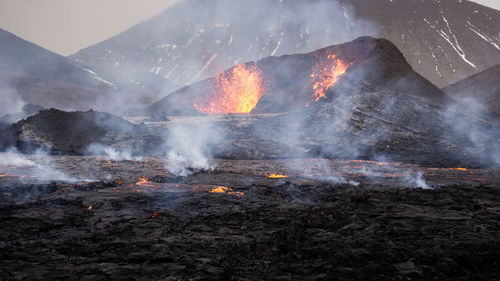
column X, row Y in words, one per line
column 35, row 75
column 484, row 87
column 50, row 92
column 22, row 57
column 444, row 41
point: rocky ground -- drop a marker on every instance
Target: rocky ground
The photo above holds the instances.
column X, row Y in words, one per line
column 326, row 220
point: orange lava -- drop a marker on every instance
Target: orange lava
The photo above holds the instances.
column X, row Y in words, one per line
column 146, row 183
column 326, row 73
column 223, row 189
column 14, row 176
column 157, row 216
column 277, row 176
column 458, row 169
column 236, row 91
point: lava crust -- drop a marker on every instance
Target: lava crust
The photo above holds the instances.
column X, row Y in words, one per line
column 302, row 227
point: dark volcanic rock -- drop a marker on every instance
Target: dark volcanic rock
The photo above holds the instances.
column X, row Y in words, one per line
column 72, row 133
column 484, row 87
column 294, row 230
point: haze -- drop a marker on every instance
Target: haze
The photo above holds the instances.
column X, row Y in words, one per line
column 65, row 27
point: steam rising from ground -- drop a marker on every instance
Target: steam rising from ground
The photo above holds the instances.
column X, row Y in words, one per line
column 324, row 167
column 11, row 157
column 190, row 146
column 468, row 119
column 412, row 178
column 11, row 101
column 111, row 153
column 41, row 166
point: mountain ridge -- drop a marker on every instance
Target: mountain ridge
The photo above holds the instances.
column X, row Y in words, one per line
column 21, row 56
column 445, row 41
column 483, row 87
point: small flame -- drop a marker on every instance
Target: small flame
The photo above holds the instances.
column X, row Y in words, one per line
column 219, row 189
column 89, row 208
column 326, row 73
column 277, row 176
column 157, row 216
column 237, row 91
column 223, row 189
column 144, row 182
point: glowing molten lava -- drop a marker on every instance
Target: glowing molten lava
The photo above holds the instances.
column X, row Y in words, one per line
column 326, row 73
column 223, row 189
column 236, row 91
column 277, row 176
column 144, row 182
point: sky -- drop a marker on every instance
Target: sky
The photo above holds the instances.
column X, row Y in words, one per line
column 66, row 26
column 86, row 22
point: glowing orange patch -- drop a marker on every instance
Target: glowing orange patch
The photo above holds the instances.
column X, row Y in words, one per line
column 223, row 189
column 326, row 73
column 277, row 176
column 236, row 91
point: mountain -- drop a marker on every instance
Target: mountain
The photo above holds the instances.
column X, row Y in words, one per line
column 39, row 76
column 378, row 108
column 444, row 41
column 22, row 57
column 287, row 83
column 484, row 87
column 49, row 92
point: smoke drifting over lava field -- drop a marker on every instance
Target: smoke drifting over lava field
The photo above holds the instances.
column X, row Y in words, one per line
column 233, row 140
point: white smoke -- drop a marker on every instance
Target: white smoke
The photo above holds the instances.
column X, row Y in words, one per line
column 11, row 157
column 416, row 179
column 39, row 166
column 111, row 153
column 469, row 119
column 411, row 178
column 11, row 103
column 190, row 146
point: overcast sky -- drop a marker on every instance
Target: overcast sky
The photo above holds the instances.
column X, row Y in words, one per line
column 66, row 26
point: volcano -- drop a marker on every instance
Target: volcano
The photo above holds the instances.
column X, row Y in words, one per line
column 355, row 100
column 288, row 82
column 376, row 107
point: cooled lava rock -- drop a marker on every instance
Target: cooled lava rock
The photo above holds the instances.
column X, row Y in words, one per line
column 293, row 229
column 72, row 132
